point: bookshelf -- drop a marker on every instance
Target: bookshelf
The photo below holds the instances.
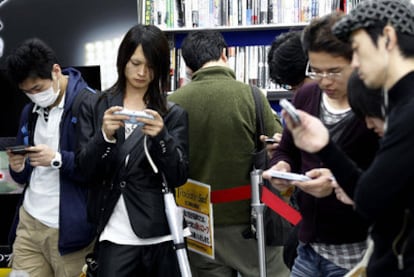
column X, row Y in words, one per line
column 253, row 40
column 248, row 26
column 252, row 35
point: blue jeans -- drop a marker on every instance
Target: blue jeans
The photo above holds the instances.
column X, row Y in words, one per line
column 308, row 263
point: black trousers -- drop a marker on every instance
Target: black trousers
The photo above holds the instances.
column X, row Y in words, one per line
column 158, row 260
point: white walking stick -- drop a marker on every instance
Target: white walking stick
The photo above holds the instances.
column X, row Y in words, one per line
column 175, row 220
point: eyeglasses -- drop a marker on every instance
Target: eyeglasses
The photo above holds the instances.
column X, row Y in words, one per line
column 320, row 75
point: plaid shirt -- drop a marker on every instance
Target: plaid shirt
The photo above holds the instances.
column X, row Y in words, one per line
column 344, row 255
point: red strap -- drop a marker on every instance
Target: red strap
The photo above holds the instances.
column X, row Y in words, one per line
column 232, row 194
column 268, row 198
column 280, row 206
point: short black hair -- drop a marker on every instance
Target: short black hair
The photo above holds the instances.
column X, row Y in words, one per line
column 33, row 58
column 202, row 46
column 364, row 101
column 286, row 59
column 318, row 37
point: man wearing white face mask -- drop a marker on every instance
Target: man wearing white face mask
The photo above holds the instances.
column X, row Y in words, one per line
column 46, row 98
column 53, row 234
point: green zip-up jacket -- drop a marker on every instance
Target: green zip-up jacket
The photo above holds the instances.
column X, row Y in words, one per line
column 222, row 126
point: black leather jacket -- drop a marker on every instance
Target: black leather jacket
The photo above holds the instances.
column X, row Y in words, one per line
column 104, row 164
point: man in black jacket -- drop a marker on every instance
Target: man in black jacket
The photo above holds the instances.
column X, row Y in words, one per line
column 382, row 35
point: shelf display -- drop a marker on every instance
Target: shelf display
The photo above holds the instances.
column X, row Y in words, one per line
column 248, row 26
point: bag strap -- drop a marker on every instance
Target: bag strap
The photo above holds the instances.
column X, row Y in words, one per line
column 270, row 196
column 259, row 116
column 80, row 97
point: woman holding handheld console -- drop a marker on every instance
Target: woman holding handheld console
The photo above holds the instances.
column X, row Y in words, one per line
column 332, row 237
column 132, row 118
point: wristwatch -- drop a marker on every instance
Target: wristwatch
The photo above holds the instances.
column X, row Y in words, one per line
column 56, row 162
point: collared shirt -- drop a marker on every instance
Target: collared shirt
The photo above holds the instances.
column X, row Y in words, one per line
column 42, row 195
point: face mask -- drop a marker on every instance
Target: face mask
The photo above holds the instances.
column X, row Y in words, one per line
column 45, row 98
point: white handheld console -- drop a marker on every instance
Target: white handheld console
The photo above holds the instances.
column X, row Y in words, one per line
column 133, row 115
column 289, row 176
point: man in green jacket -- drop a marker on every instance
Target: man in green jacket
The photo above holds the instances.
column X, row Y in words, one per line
column 222, row 127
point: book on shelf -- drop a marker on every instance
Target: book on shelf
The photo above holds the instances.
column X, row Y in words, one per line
column 249, row 64
column 209, row 13
column 249, row 61
column 241, row 61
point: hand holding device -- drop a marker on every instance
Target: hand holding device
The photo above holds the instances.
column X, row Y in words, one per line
column 291, row 110
column 19, row 149
column 270, row 140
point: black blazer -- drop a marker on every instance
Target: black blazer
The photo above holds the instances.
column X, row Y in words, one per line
column 104, row 164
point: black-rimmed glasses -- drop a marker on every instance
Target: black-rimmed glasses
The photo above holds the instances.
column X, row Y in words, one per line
column 320, row 75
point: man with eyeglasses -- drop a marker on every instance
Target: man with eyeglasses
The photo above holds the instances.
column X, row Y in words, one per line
column 332, row 237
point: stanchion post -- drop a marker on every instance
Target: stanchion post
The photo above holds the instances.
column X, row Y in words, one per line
column 258, row 209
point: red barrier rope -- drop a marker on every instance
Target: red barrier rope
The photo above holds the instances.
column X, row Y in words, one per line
column 268, row 198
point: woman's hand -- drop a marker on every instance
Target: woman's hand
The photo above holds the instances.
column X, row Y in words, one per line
column 112, row 122
column 152, row 127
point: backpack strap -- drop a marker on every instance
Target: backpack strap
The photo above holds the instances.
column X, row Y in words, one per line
column 259, row 116
column 79, row 99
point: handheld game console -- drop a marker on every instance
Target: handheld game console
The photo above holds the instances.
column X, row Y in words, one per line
column 289, row 176
column 133, row 115
column 19, row 149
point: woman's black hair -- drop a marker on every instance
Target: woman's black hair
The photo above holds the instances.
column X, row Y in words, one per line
column 157, row 53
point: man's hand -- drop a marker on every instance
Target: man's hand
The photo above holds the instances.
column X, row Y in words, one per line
column 341, row 195
column 41, row 155
column 271, row 147
column 320, row 185
column 279, row 184
column 16, row 161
